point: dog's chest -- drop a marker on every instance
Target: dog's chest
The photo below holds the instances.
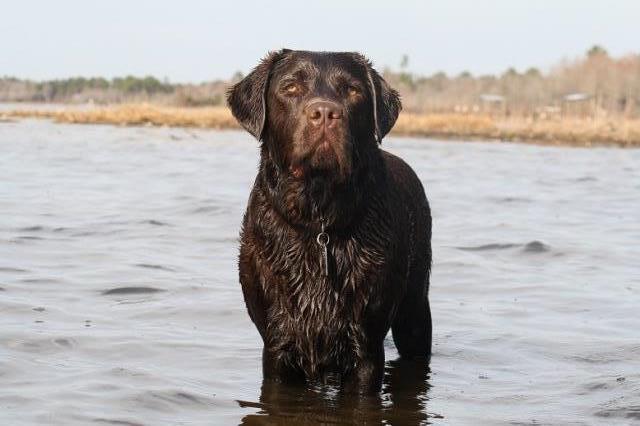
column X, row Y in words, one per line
column 314, row 316
column 310, row 278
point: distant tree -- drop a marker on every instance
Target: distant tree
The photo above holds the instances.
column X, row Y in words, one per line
column 596, row 51
column 405, row 78
column 237, row 76
column 533, row 73
column 510, row 73
column 149, row 85
column 440, row 75
column 438, row 81
column 98, row 83
column 404, row 62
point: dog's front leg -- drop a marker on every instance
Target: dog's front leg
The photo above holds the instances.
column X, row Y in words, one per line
column 276, row 367
column 366, row 378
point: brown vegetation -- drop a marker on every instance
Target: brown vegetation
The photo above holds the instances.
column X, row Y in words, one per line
column 136, row 115
column 567, row 131
column 594, row 86
column 588, row 101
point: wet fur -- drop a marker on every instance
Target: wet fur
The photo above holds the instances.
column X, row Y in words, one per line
column 378, row 220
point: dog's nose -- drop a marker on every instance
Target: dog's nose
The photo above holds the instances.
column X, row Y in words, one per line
column 325, row 113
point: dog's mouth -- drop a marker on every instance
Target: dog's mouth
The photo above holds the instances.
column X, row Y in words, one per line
column 324, row 145
column 320, row 151
column 324, row 152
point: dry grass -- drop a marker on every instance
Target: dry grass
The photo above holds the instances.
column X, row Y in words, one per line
column 137, row 115
column 445, row 125
column 576, row 132
column 568, row 131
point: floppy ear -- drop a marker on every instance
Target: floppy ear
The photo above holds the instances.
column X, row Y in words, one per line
column 247, row 98
column 386, row 103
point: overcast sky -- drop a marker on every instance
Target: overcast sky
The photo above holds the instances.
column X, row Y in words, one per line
column 191, row 40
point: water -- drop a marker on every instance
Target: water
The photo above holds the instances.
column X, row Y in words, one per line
column 120, row 303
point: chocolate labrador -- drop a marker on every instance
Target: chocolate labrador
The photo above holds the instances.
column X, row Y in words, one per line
column 336, row 239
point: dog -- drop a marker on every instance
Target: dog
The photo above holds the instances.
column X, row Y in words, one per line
column 335, row 245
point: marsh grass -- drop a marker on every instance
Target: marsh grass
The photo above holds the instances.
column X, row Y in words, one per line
column 137, row 115
column 569, row 131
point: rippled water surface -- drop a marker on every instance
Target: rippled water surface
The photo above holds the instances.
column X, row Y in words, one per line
column 120, row 303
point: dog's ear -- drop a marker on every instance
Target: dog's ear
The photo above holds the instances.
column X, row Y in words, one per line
column 385, row 99
column 247, row 98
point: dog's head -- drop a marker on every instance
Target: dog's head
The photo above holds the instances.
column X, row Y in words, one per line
column 316, row 112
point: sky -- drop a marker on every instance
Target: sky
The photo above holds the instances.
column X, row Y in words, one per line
column 194, row 41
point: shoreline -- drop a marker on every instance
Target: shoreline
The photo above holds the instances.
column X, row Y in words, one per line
column 575, row 132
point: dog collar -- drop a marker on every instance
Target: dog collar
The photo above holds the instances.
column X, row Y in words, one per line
column 323, row 241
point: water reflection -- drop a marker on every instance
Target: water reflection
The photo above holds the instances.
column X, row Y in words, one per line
column 403, row 400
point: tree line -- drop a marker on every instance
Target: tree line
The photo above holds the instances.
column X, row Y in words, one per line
column 596, row 84
column 117, row 90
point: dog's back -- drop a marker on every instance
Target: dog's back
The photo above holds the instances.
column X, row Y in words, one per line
column 412, row 325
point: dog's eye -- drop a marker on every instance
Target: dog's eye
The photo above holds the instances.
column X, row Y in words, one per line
column 353, row 91
column 292, row 89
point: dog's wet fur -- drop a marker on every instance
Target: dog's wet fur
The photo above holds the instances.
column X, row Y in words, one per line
column 320, row 117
